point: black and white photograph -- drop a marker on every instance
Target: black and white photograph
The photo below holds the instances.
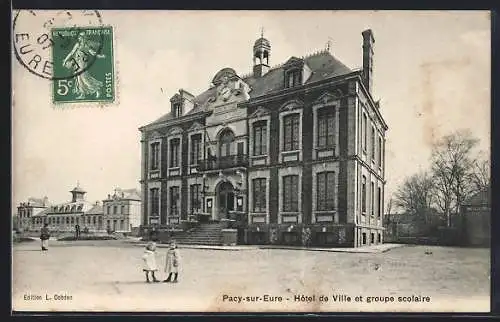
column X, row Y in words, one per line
column 251, row 161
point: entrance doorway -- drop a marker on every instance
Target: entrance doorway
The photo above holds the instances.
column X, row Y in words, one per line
column 225, row 199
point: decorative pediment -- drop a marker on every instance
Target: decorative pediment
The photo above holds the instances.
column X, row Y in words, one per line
column 195, row 127
column 261, row 111
column 175, row 131
column 291, row 105
column 328, row 97
column 224, row 76
column 293, row 62
column 155, row 135
column 176, row 98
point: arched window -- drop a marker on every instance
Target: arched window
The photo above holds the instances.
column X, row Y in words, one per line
column 226, row 140
column 80, row 207
column 73, row 208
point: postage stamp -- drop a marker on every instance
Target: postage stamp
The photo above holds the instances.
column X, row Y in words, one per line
column 83, row 65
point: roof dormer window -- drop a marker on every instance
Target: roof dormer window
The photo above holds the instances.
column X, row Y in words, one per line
column 177, row 109
column 293, row 78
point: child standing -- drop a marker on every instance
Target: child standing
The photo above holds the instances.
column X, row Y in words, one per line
column 172, row 263
column 149, row 259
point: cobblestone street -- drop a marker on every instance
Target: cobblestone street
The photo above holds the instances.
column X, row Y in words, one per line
column 108, row 276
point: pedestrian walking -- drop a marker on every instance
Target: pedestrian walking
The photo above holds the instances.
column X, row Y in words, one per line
column 44, row 236
column 77, row 231
column 149, row 259
column 172, row 263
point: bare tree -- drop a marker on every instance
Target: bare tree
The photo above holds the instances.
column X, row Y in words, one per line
column 480, row 176
column 452, row 165
column 416, row 195
column 389, row 206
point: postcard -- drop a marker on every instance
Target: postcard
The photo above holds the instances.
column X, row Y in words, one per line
column 251, row 161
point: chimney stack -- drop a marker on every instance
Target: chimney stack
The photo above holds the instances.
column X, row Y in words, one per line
column 368, row 41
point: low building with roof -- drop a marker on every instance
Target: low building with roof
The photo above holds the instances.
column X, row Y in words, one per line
column 476, row 219
column 65, row 216
column 122, row 211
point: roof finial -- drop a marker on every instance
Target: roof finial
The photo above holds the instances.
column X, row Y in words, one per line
column 328, row 44
column 78, row 183
column 261, row 32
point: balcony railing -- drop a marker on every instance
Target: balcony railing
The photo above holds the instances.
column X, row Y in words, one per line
column 230, row 161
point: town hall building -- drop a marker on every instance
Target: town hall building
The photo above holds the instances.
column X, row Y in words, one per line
column 289, row 152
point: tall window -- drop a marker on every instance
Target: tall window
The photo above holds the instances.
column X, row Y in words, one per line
column 123, row 209
column 291, row 132
column 259, row 195
column 363, row 195
column 155, row 202
column 325, row 191
column 226, row 140
column 260, row 138
column 115, row 210
column 291, row 193
column 195, row 148
column 174, row 152
column 326, row 127
column 155, row 155
column 380, row 206
column 177, row 110
column 109, row 210
column 174, row 197
column 372, row 199
column 372, row 143
column 294, row 78
column 195, row 197
column 379, row 161
column 364, row 134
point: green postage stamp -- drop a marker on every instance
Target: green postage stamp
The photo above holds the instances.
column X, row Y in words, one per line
column 83, row 65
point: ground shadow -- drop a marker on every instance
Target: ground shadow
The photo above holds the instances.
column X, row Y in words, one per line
column 28, row 250
column 118, row 283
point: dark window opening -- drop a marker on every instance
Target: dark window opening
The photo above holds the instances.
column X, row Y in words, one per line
column 326, row 128
column 291, row 132
column 325, row 191
column 291, row 193
column 259, row 195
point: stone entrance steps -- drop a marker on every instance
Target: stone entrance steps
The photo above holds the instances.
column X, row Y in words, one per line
column 205, row 234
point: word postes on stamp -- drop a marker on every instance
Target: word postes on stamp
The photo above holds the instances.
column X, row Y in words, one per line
column 83, row 65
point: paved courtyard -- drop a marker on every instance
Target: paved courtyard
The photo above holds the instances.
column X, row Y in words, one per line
column 104, row 276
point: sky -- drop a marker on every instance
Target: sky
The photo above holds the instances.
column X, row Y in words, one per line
column 431, row 74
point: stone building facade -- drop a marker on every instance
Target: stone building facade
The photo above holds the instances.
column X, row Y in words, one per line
column 293, row 153
column 122, row 211
column 26, row 211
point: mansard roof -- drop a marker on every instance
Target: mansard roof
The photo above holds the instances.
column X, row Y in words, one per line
column 323, row 65
column 97, row 209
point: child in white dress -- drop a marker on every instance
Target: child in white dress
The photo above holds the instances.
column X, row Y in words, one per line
column 149, row 259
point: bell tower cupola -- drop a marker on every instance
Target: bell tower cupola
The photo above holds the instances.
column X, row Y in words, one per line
column 261, row 53
column 77, row 193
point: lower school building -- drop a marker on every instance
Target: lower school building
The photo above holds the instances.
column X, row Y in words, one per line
column 119, row 212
